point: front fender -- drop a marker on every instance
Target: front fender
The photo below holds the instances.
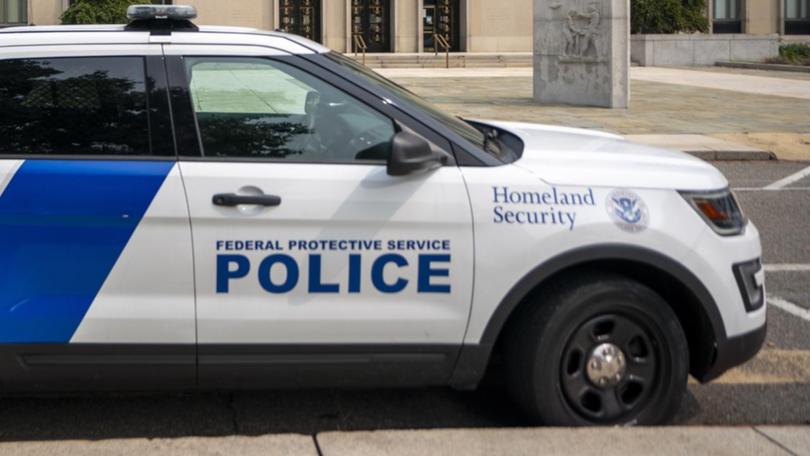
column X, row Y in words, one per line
column 474, row 358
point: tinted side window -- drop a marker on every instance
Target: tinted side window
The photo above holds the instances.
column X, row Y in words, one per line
column 261, row 108
column 74, row 106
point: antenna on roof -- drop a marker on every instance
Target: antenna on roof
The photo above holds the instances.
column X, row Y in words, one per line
column 161, row 19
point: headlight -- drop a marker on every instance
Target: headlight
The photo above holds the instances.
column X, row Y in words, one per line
column 719, row 209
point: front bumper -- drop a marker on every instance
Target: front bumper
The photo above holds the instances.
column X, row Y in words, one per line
column 733, row 351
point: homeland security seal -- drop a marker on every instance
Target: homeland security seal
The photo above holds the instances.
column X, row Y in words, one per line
column 628, row 211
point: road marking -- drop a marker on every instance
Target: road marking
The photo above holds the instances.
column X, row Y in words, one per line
column 770, row 366
column 784, row 182
column 787, row 267
column 790, row 308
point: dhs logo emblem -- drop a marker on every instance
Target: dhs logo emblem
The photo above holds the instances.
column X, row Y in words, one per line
column 628, row 211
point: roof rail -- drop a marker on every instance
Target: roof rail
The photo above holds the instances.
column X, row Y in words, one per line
column 161, row 19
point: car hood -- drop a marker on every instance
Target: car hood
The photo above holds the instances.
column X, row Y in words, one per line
column 571, row 156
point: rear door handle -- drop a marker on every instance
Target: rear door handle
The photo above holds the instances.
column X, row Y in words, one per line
column 232, row 199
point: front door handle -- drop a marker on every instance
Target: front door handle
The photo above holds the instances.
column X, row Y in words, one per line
column 232, row 199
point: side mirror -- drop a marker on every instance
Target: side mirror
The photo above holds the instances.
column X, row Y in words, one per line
column 411, row 153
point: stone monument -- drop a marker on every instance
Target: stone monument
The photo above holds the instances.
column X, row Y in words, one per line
column 582, row 52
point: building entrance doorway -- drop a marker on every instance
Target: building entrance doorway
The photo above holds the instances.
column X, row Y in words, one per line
column 301, row 17
column 440, row 17
column 371, row 25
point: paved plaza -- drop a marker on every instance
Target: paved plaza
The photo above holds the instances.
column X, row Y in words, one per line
column 754, row 109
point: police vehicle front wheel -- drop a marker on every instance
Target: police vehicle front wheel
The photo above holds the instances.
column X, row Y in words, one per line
column 600, row 350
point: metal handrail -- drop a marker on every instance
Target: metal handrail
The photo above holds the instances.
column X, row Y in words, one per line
column 440, row 40
column 360, row 43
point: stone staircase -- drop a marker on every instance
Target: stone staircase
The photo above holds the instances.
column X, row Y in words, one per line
column 457, row 60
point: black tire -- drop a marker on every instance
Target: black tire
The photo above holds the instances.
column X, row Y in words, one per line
column 552, row 341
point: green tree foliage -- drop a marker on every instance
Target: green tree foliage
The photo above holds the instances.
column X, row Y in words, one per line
column 98, row 11
column 668, row 16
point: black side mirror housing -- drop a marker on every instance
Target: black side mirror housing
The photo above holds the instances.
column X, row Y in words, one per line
column 411, row 153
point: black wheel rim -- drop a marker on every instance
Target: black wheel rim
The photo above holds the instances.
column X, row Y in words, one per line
column 625, row 394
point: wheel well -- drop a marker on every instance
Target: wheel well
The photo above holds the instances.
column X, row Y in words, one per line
column 681, row 299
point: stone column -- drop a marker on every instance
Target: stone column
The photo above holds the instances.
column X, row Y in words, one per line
column 582, row 52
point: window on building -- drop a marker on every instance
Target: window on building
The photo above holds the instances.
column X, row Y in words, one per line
column 74, row 106
column 727, row 16
column 13, row 12
column 797, row 17
column 261, row 108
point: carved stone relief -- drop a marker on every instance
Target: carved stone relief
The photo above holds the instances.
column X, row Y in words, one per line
column 581, row 52
column 580, row 31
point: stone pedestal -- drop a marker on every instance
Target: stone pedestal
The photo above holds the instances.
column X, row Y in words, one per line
column 582, row 52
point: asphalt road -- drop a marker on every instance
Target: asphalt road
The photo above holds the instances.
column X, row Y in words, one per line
column 773, row 389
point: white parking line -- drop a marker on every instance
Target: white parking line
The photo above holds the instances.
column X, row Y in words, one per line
column 787, row 268
column 790, row 308
column 781, row 183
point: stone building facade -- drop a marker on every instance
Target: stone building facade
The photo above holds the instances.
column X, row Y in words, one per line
column 384, row 25
column 410, row 25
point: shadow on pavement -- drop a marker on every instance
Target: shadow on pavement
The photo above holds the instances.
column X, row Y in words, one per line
column 310, row 412
column 249, row 413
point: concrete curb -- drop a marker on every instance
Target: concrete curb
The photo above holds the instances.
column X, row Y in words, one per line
column 764, row 66
column 732, row 155
column 564, row 442
column 704, row 147
column 732, row 441
column 266, row 445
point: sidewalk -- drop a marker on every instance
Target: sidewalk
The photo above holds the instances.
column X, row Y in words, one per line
column 760, row 85
column 732, row 441
column 711, row 112
column 758, row 441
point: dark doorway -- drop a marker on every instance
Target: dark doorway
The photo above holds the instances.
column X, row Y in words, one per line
column 371, row 24
column 440, row 17
column 301, row 17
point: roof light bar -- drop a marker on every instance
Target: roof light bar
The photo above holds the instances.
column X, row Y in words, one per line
column 169, row 12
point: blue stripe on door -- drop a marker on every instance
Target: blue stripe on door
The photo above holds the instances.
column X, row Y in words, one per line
column 63, row 225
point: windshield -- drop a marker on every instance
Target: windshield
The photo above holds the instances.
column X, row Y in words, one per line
column 458, row 125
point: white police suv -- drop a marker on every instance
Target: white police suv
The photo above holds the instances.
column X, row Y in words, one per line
column 188, row 207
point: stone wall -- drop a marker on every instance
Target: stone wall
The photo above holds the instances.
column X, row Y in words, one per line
column 700, row 49
column 499, row 26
